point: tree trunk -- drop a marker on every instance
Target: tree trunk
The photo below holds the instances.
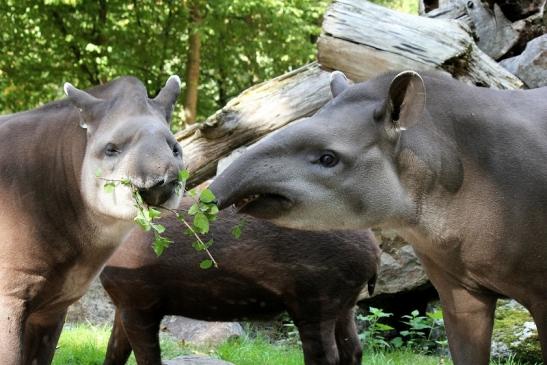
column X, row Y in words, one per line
column 192, row 65
column 363, row 40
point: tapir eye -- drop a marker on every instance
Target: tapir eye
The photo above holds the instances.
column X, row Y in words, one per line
column 328, row 159
column 111, row 150
column 176, row 150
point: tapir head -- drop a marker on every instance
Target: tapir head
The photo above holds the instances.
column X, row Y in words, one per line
column 337, row 169
column 128, row 137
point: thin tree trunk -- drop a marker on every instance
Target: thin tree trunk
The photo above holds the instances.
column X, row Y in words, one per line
column 192, row 65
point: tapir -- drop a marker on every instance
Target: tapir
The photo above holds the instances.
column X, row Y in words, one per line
column 58, row 225
column 459, row 171
column 315, row 276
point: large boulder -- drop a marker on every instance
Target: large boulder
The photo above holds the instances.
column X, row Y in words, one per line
column 201, row 333
column 531, row 65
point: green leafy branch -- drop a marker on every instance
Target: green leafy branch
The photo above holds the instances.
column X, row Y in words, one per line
column 203, row 211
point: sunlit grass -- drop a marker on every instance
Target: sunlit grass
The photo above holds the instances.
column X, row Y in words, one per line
column 86, row 345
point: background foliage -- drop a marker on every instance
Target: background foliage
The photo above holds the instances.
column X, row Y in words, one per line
column 47, row 42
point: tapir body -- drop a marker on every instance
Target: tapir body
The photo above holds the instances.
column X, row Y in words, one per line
column 315, row 276
column 459, row 171
column 58, row 225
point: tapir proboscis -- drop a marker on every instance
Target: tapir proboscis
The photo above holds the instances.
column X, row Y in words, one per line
column 459, row 171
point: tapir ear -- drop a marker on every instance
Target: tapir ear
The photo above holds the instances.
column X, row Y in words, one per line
column 406, row 101
column 85, row 102
column 168, row 96
column 338, row 83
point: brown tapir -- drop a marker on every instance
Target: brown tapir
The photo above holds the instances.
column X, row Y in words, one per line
column 459, row 171
column 316, row 277
column 58, row 225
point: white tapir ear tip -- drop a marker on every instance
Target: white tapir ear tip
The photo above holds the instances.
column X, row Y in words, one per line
column 337, row 73
column 176, row 78
column 66, row 87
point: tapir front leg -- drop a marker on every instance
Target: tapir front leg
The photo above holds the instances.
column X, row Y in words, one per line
column 12, row 312
column 119, row 348
column 347, row 339
column 468, row 317
column 142, row 330
column 539, row 312
column 318, row 342
column 41, row 338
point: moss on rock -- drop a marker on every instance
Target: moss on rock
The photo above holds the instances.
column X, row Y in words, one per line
column 516, row 334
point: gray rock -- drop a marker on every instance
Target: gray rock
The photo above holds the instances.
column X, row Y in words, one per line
column 201, row 333
column 531, row 65
column 196, row 360
column 93, row 308
column 400, row 269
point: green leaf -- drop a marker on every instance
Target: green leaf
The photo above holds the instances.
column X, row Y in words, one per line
column 143, row 223
column 191, row 193
column 194, row 209
column 160, row 244
column 206, row 264
column 183, row 175
column 201, row 223
column 109, row 186
column 154, row 213
column 198, row 246
column 126, row 182
column 213, row 209
column 207, row 196
column 158, row 228
column 236, row 231
column 98, row 172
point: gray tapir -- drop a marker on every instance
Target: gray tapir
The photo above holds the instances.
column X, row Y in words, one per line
column 267, row 270
column 58, row 225
column 459, row 171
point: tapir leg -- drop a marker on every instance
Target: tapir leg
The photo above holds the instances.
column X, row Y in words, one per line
column 41, row 339
column 347, row 339
column 142, row 330
column 119, row 348
column 468, row 317
column 318, row 342
column 11, row 326
column 539, row 312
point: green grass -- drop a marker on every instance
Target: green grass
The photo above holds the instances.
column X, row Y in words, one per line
column 86, row 345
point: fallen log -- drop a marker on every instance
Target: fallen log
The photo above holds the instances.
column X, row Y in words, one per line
column 364, row 39
column 256, row 112
column 494, row 33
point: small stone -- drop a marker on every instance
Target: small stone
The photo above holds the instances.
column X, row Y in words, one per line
column 196, row 360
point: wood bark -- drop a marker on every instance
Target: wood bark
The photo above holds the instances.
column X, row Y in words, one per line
column 256, row 112
column 192, row 66
column 494, row 33
column 363, row 39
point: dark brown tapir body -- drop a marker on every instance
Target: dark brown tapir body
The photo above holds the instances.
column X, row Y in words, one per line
column 316, row 277
column 459, row 171
column 58, row 225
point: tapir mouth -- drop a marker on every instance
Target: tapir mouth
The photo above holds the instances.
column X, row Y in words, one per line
column 264, row 205
column 158, row 194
